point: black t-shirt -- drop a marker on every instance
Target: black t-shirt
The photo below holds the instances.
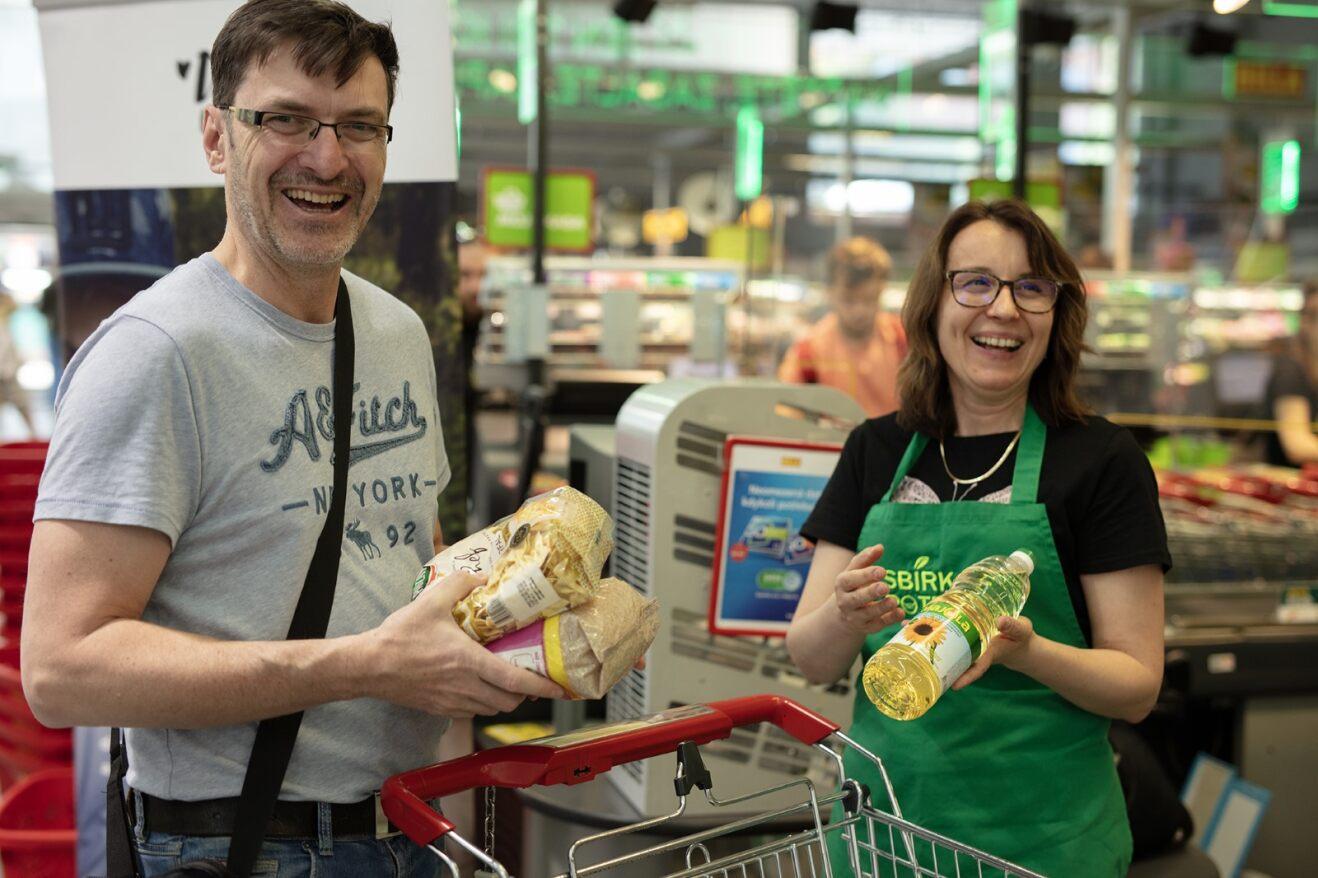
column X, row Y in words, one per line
column 1288, row 379
column 1095, row 482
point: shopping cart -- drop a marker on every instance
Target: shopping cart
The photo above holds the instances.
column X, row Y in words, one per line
column 865, row 841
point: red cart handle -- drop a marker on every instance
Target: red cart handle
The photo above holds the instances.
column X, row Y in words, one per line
column 579, row 756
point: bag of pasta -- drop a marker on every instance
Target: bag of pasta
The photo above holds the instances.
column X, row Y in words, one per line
column 555, row 546
column 475, row 554
column 589, row 648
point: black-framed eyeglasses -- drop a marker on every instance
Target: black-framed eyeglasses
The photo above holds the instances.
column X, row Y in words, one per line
column 304, row 129
column 979, row 289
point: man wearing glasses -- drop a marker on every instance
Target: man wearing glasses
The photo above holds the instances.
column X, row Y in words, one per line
column 190, row 475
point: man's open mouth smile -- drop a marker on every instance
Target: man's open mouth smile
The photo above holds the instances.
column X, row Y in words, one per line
column 316, row 202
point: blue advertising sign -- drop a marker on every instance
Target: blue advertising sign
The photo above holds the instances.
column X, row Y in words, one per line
column 769, row 489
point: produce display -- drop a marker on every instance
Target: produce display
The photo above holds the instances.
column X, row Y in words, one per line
column 1249, row 522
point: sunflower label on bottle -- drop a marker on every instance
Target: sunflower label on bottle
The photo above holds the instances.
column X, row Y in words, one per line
column 923, row 660
column 947, row 639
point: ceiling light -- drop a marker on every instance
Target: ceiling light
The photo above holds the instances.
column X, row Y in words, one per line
column 503, row 80
column 27, row 284
column 1226, row 7
column 650, row 90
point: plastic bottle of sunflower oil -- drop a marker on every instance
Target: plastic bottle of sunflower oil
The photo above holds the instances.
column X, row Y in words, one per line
column 933, row 648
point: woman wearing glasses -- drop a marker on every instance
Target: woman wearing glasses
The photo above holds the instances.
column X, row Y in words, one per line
column 992, row 451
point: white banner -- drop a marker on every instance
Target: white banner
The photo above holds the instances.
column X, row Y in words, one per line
column 126, row 84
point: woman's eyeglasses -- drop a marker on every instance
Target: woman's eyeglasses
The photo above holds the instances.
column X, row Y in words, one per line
column 978, row 289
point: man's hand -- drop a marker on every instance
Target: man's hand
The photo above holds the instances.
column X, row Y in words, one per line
column 421, row 659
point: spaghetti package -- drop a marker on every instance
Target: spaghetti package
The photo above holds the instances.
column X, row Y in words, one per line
column 543, row 559
column 588, row 648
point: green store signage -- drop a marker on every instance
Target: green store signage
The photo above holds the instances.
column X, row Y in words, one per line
column 592, row 86
column 507, row 208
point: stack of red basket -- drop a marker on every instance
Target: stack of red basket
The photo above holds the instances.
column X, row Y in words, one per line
column 25, row 744
column 38, row 834
column 37, row 824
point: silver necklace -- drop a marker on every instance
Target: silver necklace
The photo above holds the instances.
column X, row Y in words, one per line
column 970, row 484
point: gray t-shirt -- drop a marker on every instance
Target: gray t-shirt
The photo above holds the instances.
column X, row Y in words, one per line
column 201, row 411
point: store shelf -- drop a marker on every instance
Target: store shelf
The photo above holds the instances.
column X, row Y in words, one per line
column 665, row 319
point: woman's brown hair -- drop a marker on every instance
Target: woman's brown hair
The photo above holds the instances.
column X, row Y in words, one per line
column 926, row 400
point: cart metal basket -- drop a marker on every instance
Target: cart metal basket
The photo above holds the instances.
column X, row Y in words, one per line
column 865, row 841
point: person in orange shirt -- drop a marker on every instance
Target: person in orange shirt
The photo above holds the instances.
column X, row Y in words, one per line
column 855, row 348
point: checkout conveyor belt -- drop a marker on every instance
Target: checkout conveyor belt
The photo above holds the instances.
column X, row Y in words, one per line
column 1227, row 640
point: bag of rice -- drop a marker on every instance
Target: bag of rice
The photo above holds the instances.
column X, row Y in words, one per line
column 541, row 560
column 589, row 648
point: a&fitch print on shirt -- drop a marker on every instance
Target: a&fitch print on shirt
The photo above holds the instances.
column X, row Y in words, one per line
column 381, row 426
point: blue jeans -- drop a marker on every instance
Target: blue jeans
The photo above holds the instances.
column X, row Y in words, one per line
column 323, row 857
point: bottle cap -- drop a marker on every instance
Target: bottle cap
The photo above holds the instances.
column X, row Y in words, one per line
column 1025, row 559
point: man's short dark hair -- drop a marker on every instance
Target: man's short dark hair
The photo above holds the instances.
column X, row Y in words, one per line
column 325, row 36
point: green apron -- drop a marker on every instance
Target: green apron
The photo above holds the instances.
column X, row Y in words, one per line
column 1005, row 765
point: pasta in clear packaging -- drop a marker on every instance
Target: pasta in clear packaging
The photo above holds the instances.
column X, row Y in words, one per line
column 543, row 559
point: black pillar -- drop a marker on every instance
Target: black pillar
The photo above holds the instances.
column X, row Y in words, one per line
column 537, row 144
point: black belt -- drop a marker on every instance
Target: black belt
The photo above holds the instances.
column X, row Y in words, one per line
column 214, row 817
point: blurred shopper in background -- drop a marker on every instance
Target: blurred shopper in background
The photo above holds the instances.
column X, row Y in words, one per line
column 472, row 256
column 855, row 348
column 1172, row 250
column 11, row 391
column 1292, row 392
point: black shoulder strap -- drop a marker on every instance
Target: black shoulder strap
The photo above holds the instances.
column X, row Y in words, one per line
column 275, row 737
column 120, row 856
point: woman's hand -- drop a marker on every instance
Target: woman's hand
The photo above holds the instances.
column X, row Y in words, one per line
column 1014, row 635
column 862, row 595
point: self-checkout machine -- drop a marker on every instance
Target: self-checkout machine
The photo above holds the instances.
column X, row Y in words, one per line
column 668, row 485
column 668, row 456
column 671, row 442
